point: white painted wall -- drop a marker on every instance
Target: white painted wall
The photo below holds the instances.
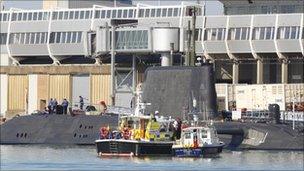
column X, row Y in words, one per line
column 3, row 94
column 5, row 60
column 32, row 93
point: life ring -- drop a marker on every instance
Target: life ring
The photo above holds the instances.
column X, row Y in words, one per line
column 103, row 133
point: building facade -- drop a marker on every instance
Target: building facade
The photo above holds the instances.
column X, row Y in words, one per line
column 64, row 47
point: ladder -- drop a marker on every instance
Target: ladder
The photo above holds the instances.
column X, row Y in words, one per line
column 113, row 147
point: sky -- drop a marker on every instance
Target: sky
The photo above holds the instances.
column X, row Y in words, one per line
column 213, row 7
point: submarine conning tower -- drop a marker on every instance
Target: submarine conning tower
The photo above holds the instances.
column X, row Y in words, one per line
column 179, row 90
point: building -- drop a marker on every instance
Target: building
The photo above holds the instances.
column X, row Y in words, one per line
column 237, row 7
column 63, row 48
column 84, row 3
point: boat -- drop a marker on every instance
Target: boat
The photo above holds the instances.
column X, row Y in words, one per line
column 198, row 141
column 137, row 136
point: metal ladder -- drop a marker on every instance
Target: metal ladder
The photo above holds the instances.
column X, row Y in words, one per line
column 113, row 147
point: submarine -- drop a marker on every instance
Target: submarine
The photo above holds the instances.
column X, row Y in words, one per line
column 173, row 91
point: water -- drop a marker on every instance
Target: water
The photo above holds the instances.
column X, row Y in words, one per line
column 46, row 157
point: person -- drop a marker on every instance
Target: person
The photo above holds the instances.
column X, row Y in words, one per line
column 55, row 103
column 103, row 107
column 50, row 106
column 81, row 102
column 65, row 105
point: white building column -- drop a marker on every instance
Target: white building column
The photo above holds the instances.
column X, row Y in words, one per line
column 284, row 71
column 3, row 93
column 32, row 93
column 235, row 73
column 260, row 72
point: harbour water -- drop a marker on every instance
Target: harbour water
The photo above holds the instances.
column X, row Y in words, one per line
column 51, row 157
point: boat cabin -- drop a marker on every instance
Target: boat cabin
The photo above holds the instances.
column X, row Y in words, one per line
column 198, row 137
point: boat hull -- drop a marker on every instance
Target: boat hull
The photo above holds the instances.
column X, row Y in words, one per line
column 118, row 147
column 198, row 152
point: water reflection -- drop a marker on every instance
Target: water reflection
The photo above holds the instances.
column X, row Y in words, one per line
column 85, row 158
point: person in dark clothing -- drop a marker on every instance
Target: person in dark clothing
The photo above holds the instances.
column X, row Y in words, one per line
column 81, row 102
column 50, row 106
column 55, row 103
column 65, row 105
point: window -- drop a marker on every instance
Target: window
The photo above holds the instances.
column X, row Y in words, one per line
column 40, row 16
column 141, row 13
column 204, row 134
column 71, row 16
column 19, row 16
column 30, row 16
column 125, row 13
column 245, row 33
column 37, row 38
column 114, row 13
column 81, row 15
column 3, row 37
column 79, row 36
column 103, row 14
column 164, row 12
column 170, row 12
column 76, row 15
column 268, row 33
column 58, row 35
column 32, row 38
column 262, row 33
column 130, row 15
column 74, row 36
column 52, row 37
column 152, row 12
column 119, row 13
column 27, row 38
column 5, row 17
column 43, row 38
column 175, row 12
column 35, row 16
column 238, row 34
column 158, row 12
column 63, row 37
column 147, row 13
column 69, row 37
column 66, row 15
column 108, row 13
column 22, row 38
column 87, row 14
column 212, row 34
column 60, row 15
column 294, row 33
column 24, row 16
column 14, row 17
column 46, row 15
column 287, row 33
column 188, row 135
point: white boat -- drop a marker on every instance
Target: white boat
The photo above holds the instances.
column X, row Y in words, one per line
column 198, row 141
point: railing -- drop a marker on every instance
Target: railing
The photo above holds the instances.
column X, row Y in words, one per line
column 292, row 116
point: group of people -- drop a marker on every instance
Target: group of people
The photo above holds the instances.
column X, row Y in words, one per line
column 53, row 106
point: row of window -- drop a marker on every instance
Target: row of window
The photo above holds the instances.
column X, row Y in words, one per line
column 4, row 16
column 87, row 14
column 30, row 16
column 28, row 38
column 159, row 12
column 289, row 32
column 120, row 13
column 135, row 39
column 259, row 33
column 72, row 15
column 263, row 9
column 66, row 37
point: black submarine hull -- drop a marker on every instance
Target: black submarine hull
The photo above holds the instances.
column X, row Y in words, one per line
column 84, row 130
column 55, row 129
